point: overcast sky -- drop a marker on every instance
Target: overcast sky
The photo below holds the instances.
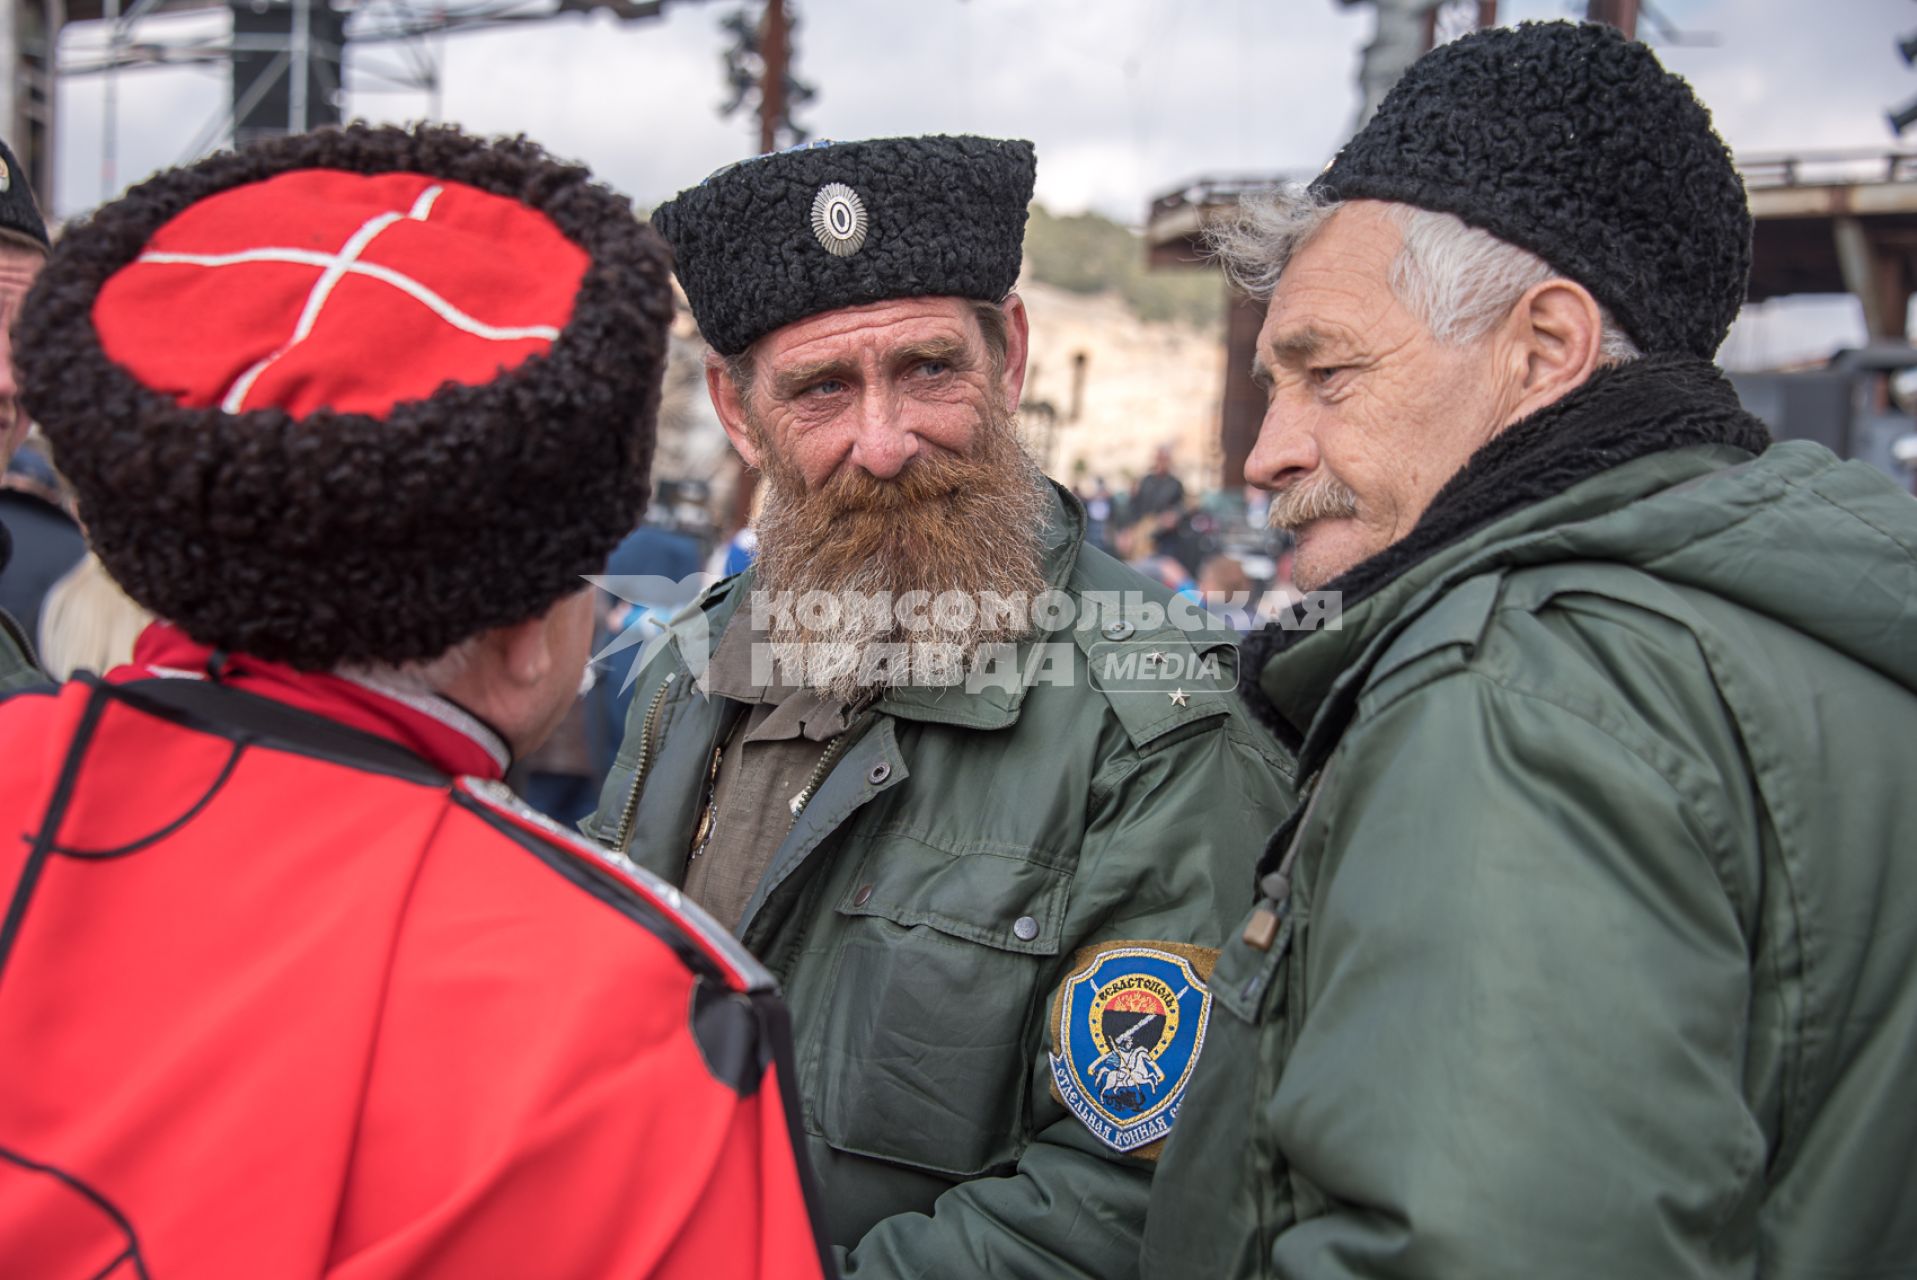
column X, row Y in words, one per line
column 1124, row 98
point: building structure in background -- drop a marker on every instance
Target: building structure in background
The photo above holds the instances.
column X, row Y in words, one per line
column 290, row 69
column 1826, row 223
column 1104, row 387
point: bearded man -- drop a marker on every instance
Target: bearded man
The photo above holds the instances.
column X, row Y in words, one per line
column 975, row 868
column 1581, row 958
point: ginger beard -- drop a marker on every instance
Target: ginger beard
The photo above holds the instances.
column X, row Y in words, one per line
column 968, row 524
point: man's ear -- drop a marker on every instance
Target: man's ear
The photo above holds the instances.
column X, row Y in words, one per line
column 1018, row 337
column 1558, row 328
column 729, row 404
column 524, row 649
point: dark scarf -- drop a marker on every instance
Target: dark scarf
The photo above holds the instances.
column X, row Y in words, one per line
column 1623, row 412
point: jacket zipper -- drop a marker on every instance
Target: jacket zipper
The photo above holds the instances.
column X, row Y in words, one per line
column 709, row 812
column 642, row 765
column 1274, row 888
column 833, row 751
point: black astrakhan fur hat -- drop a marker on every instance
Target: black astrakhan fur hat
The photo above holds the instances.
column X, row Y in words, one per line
column 19, row 212
column 382, row 434
column 1571, row 141
column 771, row 240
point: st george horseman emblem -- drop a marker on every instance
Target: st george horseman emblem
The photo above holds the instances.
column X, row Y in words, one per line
column 1128, row 1026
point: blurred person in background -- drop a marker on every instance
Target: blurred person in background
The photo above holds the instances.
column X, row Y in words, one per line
column 1160, row 492
column 89, row 623
column 1158, row 516
column 290, row 983
column 966, row 887
column 45, row 538
column 654, row 572
column 1101, row 512
column 1589, row 952
column 23, row 249
column 1226, row 590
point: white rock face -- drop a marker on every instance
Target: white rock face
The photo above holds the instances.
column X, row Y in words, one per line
column 1145, row 384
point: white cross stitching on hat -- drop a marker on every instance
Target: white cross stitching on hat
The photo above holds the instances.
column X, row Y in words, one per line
column 336, row 267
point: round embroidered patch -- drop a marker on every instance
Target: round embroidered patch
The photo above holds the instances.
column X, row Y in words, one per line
column 1131, row 1022
column 369, row 291
column 838, row 219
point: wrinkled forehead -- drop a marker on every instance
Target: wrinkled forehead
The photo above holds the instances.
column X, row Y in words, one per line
column 1338, row 280
column 20, row 262
column 1361, row 239
column 873, row 330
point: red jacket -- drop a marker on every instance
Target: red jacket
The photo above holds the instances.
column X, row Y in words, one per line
column 281, row 997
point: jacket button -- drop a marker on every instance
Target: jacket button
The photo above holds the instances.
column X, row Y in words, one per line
column 863, row 896
column 1025, row 928
column 878, row 773
column 1119, row 630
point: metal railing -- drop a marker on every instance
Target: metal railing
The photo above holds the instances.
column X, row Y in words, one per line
column 1212, row 192
column 1799, row 169
column 1828, row 168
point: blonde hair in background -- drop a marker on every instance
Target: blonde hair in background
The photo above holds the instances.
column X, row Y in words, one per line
column 87, row 623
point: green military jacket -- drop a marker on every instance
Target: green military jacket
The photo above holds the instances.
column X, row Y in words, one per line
column 935, row 893
column 1594, row 953
column 18, row 670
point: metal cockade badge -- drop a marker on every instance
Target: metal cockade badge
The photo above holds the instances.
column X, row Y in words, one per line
column 6, row 177
column 838, row 219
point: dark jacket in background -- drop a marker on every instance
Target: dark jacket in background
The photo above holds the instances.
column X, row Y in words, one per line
column 18, row 667
column 1156, row 493
column 46, row 544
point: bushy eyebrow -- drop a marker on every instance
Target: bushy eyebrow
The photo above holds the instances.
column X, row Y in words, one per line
column 794, row 381
column 791, row 382
column 945, row 350
column 1300, row 346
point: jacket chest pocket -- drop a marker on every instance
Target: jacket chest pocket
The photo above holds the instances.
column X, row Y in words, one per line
column 935, row 1016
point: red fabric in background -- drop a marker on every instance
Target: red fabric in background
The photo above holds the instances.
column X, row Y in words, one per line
column 192, row 330
column 320, row 1021
column 165, row 650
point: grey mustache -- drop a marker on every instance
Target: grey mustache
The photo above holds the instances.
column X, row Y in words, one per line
column 1309, row 500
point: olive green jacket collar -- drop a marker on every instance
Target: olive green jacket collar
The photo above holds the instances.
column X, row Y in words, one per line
column 1324, row 671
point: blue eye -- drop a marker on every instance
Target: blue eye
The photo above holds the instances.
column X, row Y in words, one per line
column 933, row 368
column 831, row 386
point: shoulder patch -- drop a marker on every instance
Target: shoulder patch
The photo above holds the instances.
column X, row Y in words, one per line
column 1159, row 682
column 1128, row 1023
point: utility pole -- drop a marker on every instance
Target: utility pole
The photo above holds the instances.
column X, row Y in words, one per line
column 758, row 71
column 775, row 34
column 1487, row 16
column 1621, row 14
column 775, row 51
column 760, row 60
